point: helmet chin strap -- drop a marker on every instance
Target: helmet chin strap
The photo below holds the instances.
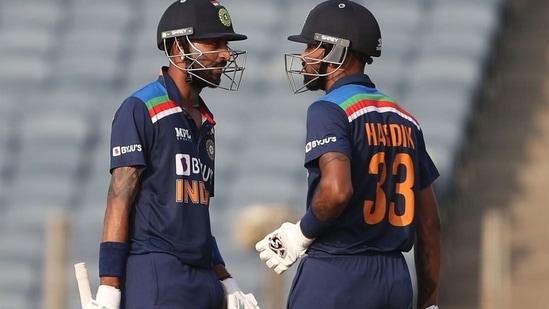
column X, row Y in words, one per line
column 322, row 77
column 188, row 63
column 324, row 66
column 334, row 55
column 195, row 88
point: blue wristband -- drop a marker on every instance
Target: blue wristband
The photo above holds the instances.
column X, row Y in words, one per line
column 217, row 258
column 112, row 259
column 311, row 226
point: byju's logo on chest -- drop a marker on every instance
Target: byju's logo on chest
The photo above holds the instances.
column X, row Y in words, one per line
column 182, row 134
column 186, row 165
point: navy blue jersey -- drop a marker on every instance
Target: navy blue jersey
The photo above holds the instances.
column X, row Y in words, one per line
column 150, row 130
column 389, row 166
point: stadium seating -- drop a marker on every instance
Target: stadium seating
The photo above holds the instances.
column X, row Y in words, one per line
column 66, row 65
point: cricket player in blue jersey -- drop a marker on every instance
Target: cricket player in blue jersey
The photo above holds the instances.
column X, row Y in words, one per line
column 370, row 195
column 157, row 249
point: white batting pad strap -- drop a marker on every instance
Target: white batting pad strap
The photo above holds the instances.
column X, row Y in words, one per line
column 108, row 296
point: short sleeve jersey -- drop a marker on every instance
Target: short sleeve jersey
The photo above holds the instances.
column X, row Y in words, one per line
column 151, row 131
column 389, row 166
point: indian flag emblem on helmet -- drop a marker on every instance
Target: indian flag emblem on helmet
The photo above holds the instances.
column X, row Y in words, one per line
column 224, row 17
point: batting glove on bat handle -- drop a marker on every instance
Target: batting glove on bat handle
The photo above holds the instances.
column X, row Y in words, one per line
column 235, row 298
column 283, row 247
column 95, row 305
column 107, row 297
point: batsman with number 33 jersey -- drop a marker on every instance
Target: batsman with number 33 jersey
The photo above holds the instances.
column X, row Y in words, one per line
column 370, row 194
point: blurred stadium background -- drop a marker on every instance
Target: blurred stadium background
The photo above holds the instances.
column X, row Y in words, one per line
column 66, row 65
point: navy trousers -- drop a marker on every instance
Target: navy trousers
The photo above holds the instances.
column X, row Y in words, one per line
column 162, row 281
column 352, row 282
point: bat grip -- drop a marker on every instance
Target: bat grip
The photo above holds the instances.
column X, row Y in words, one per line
column 84, row 289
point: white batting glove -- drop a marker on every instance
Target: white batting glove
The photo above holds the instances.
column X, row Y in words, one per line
column 281, row 248
column 432, row 307
column 235, row 298
column 95, row 305
column 107, row 297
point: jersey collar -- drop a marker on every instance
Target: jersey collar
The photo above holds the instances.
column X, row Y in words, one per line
column 168, row 83
column 361, row 79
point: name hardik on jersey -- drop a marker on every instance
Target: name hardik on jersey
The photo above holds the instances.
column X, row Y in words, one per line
column 389, row 163
column 176, row 161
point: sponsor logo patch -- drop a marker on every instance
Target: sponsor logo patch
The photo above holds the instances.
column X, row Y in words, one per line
column 277, row 245
column 185, row 165
column 121, row 150
column 182, row 164
column 319, row 142
column 182, row 134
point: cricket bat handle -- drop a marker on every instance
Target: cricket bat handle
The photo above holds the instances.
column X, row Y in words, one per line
column 84, row 289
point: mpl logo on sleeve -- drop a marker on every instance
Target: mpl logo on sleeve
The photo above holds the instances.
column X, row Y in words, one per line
column 121, row 150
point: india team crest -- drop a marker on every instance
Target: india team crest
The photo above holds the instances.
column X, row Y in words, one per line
column 224, row 17
column 210, row 148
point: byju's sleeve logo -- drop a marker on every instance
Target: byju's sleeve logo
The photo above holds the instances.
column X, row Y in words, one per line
column 319, row 142
column 120, row 150
column 116, row 151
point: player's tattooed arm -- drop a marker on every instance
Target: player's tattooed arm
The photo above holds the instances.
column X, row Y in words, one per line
column 124, row 183
column 425, row 278
column 335, row 187
column 427, row 249
column 123, row 189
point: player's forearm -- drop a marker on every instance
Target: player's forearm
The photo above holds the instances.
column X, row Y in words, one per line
column 123, row 189
column 120, row 198
column 427, row 260
column 115, row 231
column 335, row 187
column 115, row 224
column 112, row 281
column 427, row 250
column 325, row 207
